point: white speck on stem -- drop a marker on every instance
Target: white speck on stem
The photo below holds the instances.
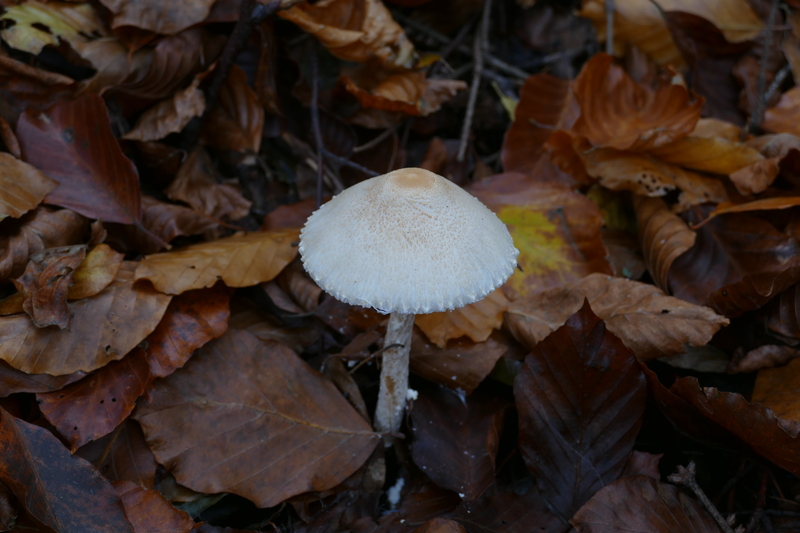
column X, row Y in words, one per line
column 411, row 395
column 393, row 494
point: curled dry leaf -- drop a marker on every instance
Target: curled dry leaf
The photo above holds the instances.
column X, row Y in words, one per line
column 169, row 116
column 104, row 328
column 163, row 220
column 648, row 321
column 219, row 423
column 72, row 143
column 13, row 381
column 43, row 228
column 406, row 91
column 782, row 313
column 663, row 235
column 476, row 320
column 359, row 30
column 240, row 261
column 22, row 186
column 45, row 283
column 158, row 16
column 618, row 113
column 777, row 389
column 456, row 440
column 198, row 185
column 61, row 491
column 122, row 455
column 581, row 396
column 766, row 356
column 728, row 421
column 148, row 511
column 643, row 504
column 556, row 230
column 738, row 263
column 762, row 204
column 237, row 121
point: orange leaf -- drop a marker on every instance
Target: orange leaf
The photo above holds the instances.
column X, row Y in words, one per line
column 476, row 320
column 618, row 113
column 763, row 204
column 22, row 186
column 784, row 117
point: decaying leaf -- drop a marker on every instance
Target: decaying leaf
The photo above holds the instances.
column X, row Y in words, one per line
column 104, row 328
column 581, row 397
column 777, row 389
column 476, row 320
column 22, row 186
column 239, row 261
column 157, row 16
column 237, row 121
column 169, row 116
column 122, row 455
column 783, row 118
column 225, row 423
column 148, row 511
column 663, row 235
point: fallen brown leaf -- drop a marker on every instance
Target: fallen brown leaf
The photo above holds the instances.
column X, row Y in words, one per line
column 456, row 440
column 782, row 313
column 476, row 320
column 149, row 512
column 581, row 397
column 126, row 315
column 169, row 116
column 648, row 321
column 510, row 512
column 766, row 356
column 663, row 236
column 640, row 503
column 45, row 283
column 440, row 525
column 158, row 17
column 22, row 186
column 762, row 204
column 777, row 389
column 618, row 113
column 237, row 120
column 198, row 184
column 35, row 231
column 13, row 381
column 556, row 230
column 122, row 455
column 220, row 423
column 783, row 118
column 72, row 143
column 239, row 261
column 61, row 491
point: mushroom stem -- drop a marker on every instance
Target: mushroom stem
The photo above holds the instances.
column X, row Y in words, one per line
column 394, row 374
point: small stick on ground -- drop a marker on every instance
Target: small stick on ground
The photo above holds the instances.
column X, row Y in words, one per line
column 754, row 121
column 610, row 8
column 315, row 124
column 685, row 476
column 780, row 77
column 346, row 162
column 481, row 39
column 755, row 520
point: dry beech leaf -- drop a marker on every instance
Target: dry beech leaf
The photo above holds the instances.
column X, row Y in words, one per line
column 104, row 328
column 556, row 230
column 219, row 423
column 35, row 231
column 737, row 264
column 782, row 313
column 268, row 328
column 359, row 30
column 618, row 113
column 785, row 116
column 648, row 321
column 456, row 440
column 240, row 261
column 476, row 320
column 663, row 235
column 440, row 525
column 642, row 504
column 708, row 154
column 236, row 122
column 148, row 511
column 123, row 455
column 509, row 512
column 777, row 389
column 158, row 16
column 45, row 283
column 640, row 24
column 648, row 176
column 762, row 204
column 169, row 116
column 765, row 356
column 581, row 397
column 406, row 92
column 22, row 186
column 728, row 421
column 61, row 491
column 162, row 219
column 198, row 185
column 23, row 86
column 72, row 143
column 13, row 381
column 544, row 105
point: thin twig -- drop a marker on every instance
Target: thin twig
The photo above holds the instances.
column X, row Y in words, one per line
column 346, row 162
column 685, row 476
column 755, row 520
column 463, row 48
column 315, row 123
column 372, row 143
column 780, row 77
column 610, row 27
column 450, row 47
column 758, row 111
column 479, row 47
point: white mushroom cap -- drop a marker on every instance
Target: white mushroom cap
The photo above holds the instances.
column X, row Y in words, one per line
column 409, row 241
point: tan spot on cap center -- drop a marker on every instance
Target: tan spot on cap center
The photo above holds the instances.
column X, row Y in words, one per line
column 413, row 179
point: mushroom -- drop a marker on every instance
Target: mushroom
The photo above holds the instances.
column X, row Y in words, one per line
column 405, row 243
